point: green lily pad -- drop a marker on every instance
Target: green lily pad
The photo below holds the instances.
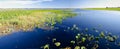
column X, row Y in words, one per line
column 57, row 44
column 77, row 47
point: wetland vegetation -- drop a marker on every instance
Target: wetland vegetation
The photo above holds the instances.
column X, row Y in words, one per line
column 56, row 36
column 27, row 19
column 84, row 40
column 112, row 9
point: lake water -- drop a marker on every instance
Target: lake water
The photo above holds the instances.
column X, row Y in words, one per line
column 108, row 21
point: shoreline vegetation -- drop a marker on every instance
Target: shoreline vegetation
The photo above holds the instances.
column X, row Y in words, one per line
column 107, row 8
column 12, row 20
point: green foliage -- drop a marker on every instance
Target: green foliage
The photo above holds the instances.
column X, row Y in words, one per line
column 114, row 9
column 30, row 18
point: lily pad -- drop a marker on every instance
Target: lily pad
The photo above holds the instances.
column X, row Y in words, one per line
column 77, row 47
column 83, row 47
column 73, row 42
column 46, row 46
column 83, row 39
column 57, row 44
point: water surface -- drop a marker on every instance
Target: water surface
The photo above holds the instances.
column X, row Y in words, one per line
column 109, row 21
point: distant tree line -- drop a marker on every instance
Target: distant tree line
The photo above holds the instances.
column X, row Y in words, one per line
column 112, row 7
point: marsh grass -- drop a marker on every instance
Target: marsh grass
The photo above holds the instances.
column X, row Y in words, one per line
column 22, row 19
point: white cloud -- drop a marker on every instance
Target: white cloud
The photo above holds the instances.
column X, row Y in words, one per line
column 19, row 3
column 114, row 3
column 97, row 3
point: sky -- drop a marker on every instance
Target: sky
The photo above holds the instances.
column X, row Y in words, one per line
column 58, row 3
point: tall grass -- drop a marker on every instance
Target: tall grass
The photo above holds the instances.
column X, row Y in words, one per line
column 22, row 19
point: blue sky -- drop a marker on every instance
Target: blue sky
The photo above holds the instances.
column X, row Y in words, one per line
column 97, row 3
column 58, row 3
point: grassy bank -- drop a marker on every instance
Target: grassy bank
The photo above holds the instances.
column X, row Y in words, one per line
column 23, row 19
column 114, row 9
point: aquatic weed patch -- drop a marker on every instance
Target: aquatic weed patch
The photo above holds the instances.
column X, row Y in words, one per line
column 81, row 38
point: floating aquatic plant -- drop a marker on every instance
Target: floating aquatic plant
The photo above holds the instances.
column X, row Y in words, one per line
column 77, row 47
column 110, row 38
column 83, row 47
column 46, row 46
column 73, row 42
column 83, row 39
column 57, row 44
column 102, row 34
column 92, row 41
